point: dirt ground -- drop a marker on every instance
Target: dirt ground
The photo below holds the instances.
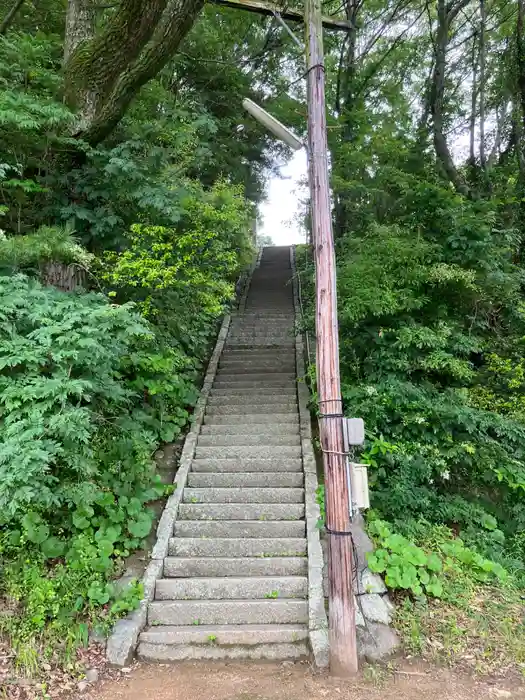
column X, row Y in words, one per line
column 243, row 681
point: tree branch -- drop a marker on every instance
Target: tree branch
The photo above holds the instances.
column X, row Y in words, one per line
column 176, row 21
column 10, row 16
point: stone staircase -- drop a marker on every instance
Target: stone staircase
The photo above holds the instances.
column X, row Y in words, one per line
column 235, row 580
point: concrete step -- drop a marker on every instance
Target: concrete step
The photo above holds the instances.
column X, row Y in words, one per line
column 234, row 566
column 248, row 384
column 243, row 495
column 257, row 367
column 231, row 612
column 248, row 344
column 241, row 511
column 253, row 355
column 262, row 331
column 242, row 465
column 280, row 396
column 235, row 407
column 289, row 392
column 256, row 381
column 277, row 373
column 231, row 588
column 246, row 479
column 274, row 359
column 173, row 653
column 255, row 316
column 248, row 452
column 228, row 642
column 227, row 635
column 240, row 419
column 261, row 338
column 237, row 547
column 239, row 528
column 248, row 439
column 263, row 429
column 261, row 326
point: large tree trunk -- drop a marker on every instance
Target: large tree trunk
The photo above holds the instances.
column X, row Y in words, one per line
column 473, row 104
column 482, row 61
column 437, row 94
column 106, row 69
column 519, row 123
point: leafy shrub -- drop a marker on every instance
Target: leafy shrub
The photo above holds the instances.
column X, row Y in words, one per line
column 193, row 266
column 418, row 570
column 74, row 416
column 27, row 253
column 87, row 393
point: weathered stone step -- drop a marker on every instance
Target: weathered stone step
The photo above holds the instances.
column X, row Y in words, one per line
column 246, row 479
column 285, row 312
column 257, row 367
column 247, row 397
column 234, row 566
column 266, row 338
column 247, row 344
column 222, row 612
column 243, row 465
column 239, row 528
column 235, row 407
column 241, row 511
column 243, row 495
column 261, row 326
column 256, row 354
column 289, row 391
column 210, row 642
column 248, row 440
column 262, row 331
column 249, row 452
column 230, row 588
column 237, row 547
column 256, row 379
column 227, row 635
column 270, row 360
column 266, row 429
column 248, row 384
column 276, row 375
column 240, row 419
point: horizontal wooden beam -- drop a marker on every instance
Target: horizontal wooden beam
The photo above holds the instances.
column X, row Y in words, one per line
column 265, row 7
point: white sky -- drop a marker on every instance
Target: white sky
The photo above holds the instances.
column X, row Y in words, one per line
column 280, row 215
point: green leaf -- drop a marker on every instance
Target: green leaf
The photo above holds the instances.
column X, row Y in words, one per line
column 376, row 563
column 35, row 529
column 434, row 587
column 424, row 576
column 53, row 548
column 80, row 521
column 433, row 562
column 105, row 548
column 140, row 527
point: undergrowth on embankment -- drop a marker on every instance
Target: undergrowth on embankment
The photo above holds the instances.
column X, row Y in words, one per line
column 432, row 340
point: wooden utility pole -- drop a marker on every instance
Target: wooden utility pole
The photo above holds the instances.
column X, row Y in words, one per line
column 342, row 633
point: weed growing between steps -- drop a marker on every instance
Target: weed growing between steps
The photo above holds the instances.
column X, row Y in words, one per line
column 446, row 473
column 89, row 389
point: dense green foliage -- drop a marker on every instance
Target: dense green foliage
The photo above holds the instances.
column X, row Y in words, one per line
column 429, row 246
column 157, row 222
column 150, row 199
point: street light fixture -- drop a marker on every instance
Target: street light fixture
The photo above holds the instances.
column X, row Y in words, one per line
column 272, row 124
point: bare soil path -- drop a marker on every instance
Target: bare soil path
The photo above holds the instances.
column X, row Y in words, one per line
column 247, row 681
